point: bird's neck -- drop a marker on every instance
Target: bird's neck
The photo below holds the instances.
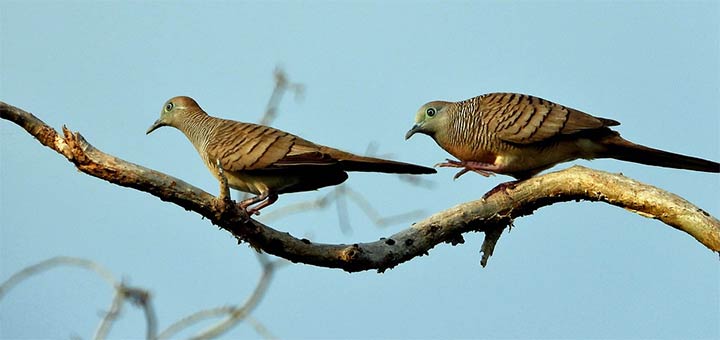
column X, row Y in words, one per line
column 198, row 127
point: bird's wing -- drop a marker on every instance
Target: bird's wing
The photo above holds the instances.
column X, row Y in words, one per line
column 524, row 119
column 244, row 146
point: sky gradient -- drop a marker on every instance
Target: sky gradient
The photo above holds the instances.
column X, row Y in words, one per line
column 572, row 270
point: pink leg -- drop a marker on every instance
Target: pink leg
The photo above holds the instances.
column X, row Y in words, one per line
column 485, row 169
column 265, row 199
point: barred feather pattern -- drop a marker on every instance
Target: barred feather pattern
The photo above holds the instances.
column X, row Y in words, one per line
column 521, row 135
column 199, row 128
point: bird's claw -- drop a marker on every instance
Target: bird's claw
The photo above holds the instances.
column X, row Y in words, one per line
column 504, row 187
column 467, row 167
column 478, row 171
column 449, row 163
column 253, row 211
column 245, row 206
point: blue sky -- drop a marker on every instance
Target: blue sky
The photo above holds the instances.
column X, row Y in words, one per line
column 573, row 270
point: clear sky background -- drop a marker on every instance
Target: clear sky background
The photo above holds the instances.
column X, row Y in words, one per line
column 572, row 270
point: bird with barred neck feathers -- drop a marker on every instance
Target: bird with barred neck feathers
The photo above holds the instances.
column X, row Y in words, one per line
column 265, row 161
column 520, row 135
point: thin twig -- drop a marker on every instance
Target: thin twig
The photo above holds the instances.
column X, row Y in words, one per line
column 141, row 298
column 338, row 196
column 137, row 296
column 234, row 314
column 111, row 315
column 260, row 328
column 54, row 262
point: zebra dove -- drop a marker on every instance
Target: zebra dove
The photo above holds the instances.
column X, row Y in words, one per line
column 521, row 135
column 265, row 161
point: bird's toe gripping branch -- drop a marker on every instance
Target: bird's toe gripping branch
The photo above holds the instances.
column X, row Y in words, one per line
column 264, row 199
column 485, row 169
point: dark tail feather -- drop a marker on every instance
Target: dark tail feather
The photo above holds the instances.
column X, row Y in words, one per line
column 370, row 164
column 622, row 149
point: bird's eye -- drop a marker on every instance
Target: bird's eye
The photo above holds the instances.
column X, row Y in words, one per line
column 430, row 112
column 169, row 106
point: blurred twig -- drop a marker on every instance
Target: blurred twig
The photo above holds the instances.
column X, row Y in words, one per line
column 282, row 85
column 371, row 151
column 233, row 314
column 141, row 298
column 338, row 196
column 25, row 273
column 261, row 329
column 110, row 316
column 137, row 296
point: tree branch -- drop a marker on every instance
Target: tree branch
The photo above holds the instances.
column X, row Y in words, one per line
column 491, row 214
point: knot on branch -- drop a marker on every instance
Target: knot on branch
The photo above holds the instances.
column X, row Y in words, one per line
column 351, row 253
column 76, row 145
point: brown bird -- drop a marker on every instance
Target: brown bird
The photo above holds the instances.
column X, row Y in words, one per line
column 520, row 135
column 265, row 161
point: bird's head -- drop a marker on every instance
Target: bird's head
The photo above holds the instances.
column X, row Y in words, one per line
column 429, row 119
column 174, row 111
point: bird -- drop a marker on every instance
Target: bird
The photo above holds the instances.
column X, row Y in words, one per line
column 264, row 161
column 521, row 135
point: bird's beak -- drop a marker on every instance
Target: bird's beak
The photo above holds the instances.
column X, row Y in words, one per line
column 158, row 123
column 412, row 131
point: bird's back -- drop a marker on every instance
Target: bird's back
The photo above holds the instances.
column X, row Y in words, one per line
column 511, row 130
column 282, row 161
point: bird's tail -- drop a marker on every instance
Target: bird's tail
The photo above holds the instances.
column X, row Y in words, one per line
column 351, row 162
column 619, row 148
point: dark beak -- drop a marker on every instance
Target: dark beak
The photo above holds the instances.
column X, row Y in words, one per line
column 412, row 131
column 158, row 123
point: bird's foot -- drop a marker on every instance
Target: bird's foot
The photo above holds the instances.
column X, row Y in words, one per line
column 478, row 171
column 449, row 163
column 262, row 201
column 504, row 187
column 484, row 169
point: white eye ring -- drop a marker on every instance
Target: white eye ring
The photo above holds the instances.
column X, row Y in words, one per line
column 430, row 112
column 169, row 106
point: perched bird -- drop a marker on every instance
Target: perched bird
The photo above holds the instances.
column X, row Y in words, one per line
column 265, row 161
column 520, row 135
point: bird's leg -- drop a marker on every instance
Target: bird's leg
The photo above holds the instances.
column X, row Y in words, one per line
column 270, row 200
column 449, row 163
column 244, row 204
column 265, row 198
column 224, row 188
column 485, row 169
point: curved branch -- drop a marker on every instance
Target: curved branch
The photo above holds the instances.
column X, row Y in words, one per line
column 491, row 214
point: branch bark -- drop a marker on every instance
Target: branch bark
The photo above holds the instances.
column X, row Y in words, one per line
column 490, row 214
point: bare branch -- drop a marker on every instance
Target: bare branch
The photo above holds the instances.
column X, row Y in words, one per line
column 239, row 314
column 110, row 316
column 137, row 296
column 282, row 85
column 54, row 262
column 141, row 298
column 233, row 314
column 260, row 328
column 496, row 211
